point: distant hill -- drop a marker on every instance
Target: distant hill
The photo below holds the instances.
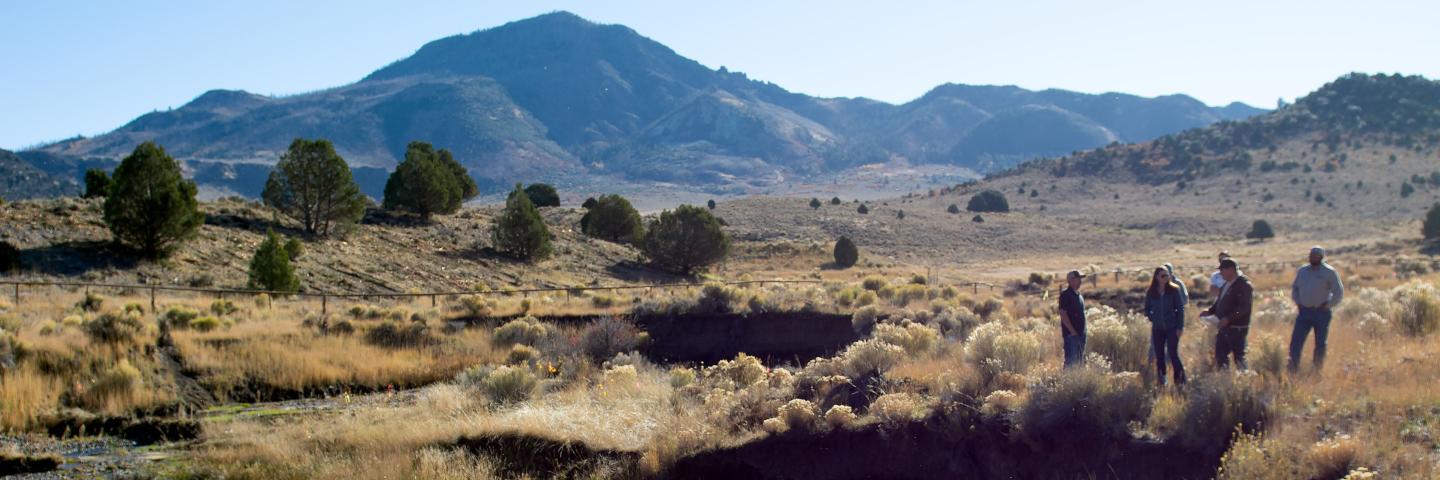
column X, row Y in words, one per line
column 20, row 179
column 560, row 96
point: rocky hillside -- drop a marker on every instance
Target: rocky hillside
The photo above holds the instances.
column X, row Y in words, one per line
column 558, row 96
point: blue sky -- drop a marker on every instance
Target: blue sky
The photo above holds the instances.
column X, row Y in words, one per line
column 85, row 67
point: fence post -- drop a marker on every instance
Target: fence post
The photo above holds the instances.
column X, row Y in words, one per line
column 324, row 304
column 152, row 299
column 17, row 294
column 432, row 301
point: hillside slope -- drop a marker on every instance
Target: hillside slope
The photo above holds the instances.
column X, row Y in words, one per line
column 557, row 96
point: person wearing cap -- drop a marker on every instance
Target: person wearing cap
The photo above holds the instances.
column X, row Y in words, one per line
column 1232, row 309
column 1217, row 281
column 1317, row 290
column 1072, row 319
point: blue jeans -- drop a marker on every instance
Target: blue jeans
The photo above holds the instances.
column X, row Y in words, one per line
column 1309, row 319
column 1074, row 350
column 1166, row 346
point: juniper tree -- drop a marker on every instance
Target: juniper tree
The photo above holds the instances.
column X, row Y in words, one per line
column 270, row 268
column 313, row 185
column 519, row 231
column 614, row 219
column 97, row 183
column 428, row 182
column 150, row 206
column 685, row 239
column 846, row 254
column 542, row 195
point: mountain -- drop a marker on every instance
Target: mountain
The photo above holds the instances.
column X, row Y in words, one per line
column 20, row 179
column 1351, row 112
column 558, row 96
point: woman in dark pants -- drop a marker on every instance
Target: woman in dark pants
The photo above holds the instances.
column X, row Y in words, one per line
column 1165, row 307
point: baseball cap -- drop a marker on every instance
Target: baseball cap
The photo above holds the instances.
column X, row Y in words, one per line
column 1229, row 263
column 1074, row 274
column 1317, row 250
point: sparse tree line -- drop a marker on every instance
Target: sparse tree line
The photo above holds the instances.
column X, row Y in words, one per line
column 151, row 208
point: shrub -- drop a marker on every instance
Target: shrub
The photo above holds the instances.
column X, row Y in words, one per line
column 1218, row 405
column 743, row 371
column 542, row 195
column 507, row 385
column 1271, row 357
column 428, row 182
column 475, row 305
column 799, row 414
column 1260, row 231
column 868, row 357
column 343, row 327
column 204, row 324
column 113, row 328
column 1373, row 325
column 988, row 201
column 151, row 207
column 294, row 248
column 313, row 185
column 223, row 307
column 909, row 293
column 270, row 267
column 681, row 377
column 684, row 240
column 608, row 336
column 718, row 298
column 1081, row 405
column 120, row 381
column 97, row 183
column 866, row 298
column 863, row 210
column 90, row 303
column 519, row 231
column 896, row 409
column 917, row 339
column 989, row 307
column 864, row 318
column 520, row 354
column 1123, row 343
column 525, row 330
column 873, row 282
column 614, row 219
column 995, row 348
column 602, row 301
column 1333, row 457
column 710, row 204
column 9, row 258
column 840, row 416
column 953, row 208
column 1418, row 312
column 394, row 335
column 846, row 254
column 815, row 203
column 1255, row 457
column 834, row 200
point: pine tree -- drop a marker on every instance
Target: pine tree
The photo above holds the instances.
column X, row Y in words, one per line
column 614, row 219
column 1260, row 231
column 519, row 231
column 988, row 201
column 270, row 268
column 685, row 240
column 846, row 254
column 150, row 206
column 97, row 183
column 313, row 185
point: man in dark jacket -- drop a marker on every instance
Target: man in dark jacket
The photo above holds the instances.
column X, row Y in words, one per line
column 1233, row 309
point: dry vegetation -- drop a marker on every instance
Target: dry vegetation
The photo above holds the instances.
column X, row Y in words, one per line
column 934, row 349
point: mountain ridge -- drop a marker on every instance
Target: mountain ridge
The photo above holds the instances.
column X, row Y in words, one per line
column 561, row 96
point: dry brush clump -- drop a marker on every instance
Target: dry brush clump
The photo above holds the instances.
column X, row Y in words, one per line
column 1083, row 404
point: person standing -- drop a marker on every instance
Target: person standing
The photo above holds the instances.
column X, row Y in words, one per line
column 1317, row 290
column 1217, row 281
column 1072, row 319
column 1233, row 311
column 1165, row 308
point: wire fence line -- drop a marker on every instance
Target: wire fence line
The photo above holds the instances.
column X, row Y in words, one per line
column 1094, row 278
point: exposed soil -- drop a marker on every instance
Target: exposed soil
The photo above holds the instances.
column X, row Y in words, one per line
column 928, row 450
column 773, row 337
column 527, row 456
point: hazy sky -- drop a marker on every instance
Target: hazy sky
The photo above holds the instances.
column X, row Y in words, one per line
column 74, row 67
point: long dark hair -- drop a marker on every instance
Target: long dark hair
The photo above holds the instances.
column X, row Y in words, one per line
column 1155, row 287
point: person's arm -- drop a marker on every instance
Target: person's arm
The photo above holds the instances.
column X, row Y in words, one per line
column 1295, row 287
column 1065, row 317
column 1180, row 302
column 1337, row 291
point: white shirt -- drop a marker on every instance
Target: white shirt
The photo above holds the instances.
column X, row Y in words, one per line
column 1218, row 281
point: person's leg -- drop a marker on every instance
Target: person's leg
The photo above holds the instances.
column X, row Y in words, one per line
column 1222, row 350
column 1069, row 344
column 1239, row 347
column 1322, row 334
column 1303, row 323
column 1172, row 346
column 1080, row 351
column 1157, row 352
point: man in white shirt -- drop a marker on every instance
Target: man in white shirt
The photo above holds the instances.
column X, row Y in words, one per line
column 1217, row 282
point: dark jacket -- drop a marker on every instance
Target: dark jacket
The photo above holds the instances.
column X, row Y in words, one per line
column 1167, row 311
column 1233, row 306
